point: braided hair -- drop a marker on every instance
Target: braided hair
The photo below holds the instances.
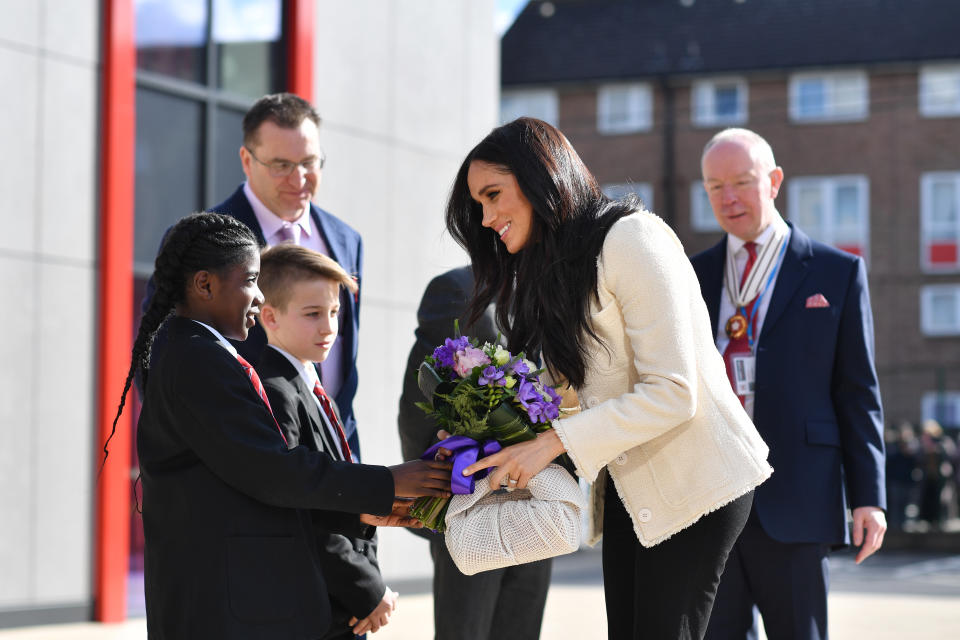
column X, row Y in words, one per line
column 201, row 241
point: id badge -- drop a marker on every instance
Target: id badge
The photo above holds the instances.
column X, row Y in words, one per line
column 744, row 373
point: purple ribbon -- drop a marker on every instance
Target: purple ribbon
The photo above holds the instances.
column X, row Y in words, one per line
column 465, row 451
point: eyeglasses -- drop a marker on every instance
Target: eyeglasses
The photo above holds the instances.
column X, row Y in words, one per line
column 283, row 168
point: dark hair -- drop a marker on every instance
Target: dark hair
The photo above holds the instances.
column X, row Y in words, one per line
column 283, row 265
column 201, row 241
column 543, row 292
column 285, row 110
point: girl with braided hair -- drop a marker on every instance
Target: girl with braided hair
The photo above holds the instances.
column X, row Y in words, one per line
column 229, row 547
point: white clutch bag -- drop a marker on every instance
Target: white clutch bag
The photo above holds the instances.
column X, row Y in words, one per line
column 491, row 530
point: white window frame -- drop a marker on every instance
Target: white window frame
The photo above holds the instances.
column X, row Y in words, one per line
column 929, row 402
column 639, row 114
column 703, row 102
column 616, row 190
column 927, row 325
column 928, row 226
column 833, row 81
column 932, row 75
column 702, row 219
column 542, row 104
column 828, row 186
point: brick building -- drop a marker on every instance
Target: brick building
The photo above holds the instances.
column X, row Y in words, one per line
column 860, row 100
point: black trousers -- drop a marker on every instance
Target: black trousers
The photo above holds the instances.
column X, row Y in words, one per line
column 491, row 605
column 665, row 592
column 786, row 582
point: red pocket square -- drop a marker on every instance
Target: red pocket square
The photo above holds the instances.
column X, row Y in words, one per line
column 817, row 301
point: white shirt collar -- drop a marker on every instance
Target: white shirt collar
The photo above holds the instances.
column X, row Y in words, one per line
column 774, row 231
column 271, row 223
column 307, row 374
column 226, row 343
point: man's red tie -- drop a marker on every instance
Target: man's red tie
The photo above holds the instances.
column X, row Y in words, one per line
column 334, row 420
column 741, row 345
column 258, row 387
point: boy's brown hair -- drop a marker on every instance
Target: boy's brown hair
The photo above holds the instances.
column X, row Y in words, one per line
column 283, row 265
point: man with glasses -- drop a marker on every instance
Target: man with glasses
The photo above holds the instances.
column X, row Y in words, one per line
column 282, row 160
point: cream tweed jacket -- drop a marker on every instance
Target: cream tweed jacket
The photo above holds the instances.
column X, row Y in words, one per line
column 657, row 414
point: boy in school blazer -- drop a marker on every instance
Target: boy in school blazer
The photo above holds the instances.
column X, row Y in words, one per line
column 302, row 293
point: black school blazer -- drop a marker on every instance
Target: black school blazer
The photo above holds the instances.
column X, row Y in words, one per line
column 228, row 546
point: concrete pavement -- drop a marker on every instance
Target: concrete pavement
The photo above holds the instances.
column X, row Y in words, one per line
column 895, row 595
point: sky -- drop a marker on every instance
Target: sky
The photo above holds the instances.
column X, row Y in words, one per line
column 507, row 10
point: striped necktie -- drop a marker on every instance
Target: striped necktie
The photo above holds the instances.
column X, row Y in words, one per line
column 334, row 420
column 258, row 387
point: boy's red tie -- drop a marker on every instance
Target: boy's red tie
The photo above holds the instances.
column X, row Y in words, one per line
column 258, row 387
column 334, row 420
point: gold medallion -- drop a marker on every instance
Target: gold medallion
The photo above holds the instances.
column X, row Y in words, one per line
column 736, row 326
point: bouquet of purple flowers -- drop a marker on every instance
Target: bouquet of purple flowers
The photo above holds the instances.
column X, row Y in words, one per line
column 486, row 398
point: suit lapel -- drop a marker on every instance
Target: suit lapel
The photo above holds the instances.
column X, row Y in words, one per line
column 334, row 240
column 792, row 272
column 274, row 360
column 711, row 279
column 319, row 424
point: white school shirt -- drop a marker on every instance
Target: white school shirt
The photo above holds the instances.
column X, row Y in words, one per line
column 776, row 229
column 223, row 341
column 309, row 236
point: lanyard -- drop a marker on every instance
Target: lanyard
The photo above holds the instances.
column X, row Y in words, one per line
column 756, row 303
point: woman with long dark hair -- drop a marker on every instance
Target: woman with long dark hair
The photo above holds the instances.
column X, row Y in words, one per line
column 602, row 289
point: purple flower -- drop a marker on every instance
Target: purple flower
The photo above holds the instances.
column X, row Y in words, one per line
column 527, row 393
column 444, row 354
column 492, row 376
column 520, row 368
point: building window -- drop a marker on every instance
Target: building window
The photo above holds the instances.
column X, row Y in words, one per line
column 624, row 108
column 940, row 221
column 833, row 210
column 533, row 103
column 643, row 190
column 829, row 97
column 940, row 310
column 940, row 90
column 200, row 65
column 942, row 406
column 701, row 213
column 719, row 101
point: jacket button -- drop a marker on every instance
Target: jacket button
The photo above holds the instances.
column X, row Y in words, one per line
column 621, row 459
column 644, row 515
column 592, row 401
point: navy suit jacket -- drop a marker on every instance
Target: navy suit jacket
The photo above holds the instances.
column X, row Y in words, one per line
column 817, row 402
column 229, row 549
column 346, row 247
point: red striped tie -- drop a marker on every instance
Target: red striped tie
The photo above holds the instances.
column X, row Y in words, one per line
column 258, row 387
column 334, row 420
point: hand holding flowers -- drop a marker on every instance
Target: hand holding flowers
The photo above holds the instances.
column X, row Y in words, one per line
column 487, row 399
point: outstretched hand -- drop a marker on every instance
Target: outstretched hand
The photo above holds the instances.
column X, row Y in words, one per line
column 520, row 462
column 399, row 516
column 422, row 478
column 874, row 522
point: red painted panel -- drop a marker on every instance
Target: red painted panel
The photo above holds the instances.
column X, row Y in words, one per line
column 851, row 248
column 114, row 337
column 301, row 15
column 943, row 253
